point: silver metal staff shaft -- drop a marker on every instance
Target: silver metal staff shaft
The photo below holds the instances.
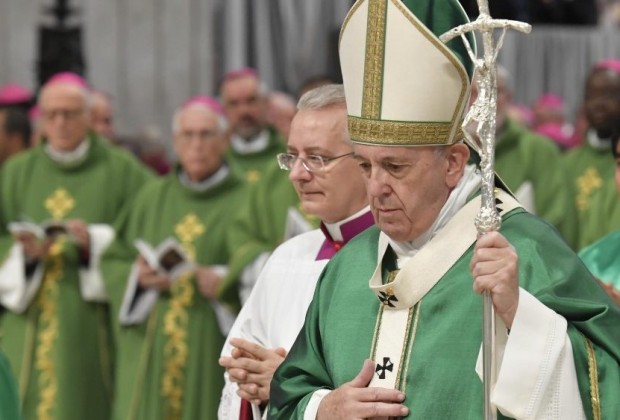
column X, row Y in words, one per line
column 483, row 111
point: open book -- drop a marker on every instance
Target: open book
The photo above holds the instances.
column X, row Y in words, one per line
column 168, row 257
column 48, row 229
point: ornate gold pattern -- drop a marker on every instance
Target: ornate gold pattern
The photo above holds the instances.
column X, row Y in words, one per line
column 402, row 373
column 587, row 184
column 593, row 373
column 176, row 321
column 59, row 203
column 48, row 332
column 398, row 133
column 252, row 176
column 375, row 58
column 403, row 385
column 187, row 230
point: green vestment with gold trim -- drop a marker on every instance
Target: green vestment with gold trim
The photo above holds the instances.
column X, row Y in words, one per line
column 603, row 215
column 59, row 348
column 167, row 366
column 440, row 381
column 523, row 157
column 590, row 170
column 253, row 164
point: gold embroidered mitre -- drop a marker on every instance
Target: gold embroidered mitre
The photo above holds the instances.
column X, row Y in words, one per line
column 403, row 86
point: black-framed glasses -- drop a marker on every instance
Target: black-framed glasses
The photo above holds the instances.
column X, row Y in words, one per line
column 311, row 163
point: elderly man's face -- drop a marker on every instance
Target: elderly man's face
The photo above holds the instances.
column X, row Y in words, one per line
column 337, row 191
column 244, row 106
column 602, row 100
column 64, row 116
column 199, row 143
column 408, row 186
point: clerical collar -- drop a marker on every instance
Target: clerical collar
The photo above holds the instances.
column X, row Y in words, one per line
column 209, row 183
column 596, row 142
column 72, row 156
column 339, row 233
column 256, row 144
column 469, row 183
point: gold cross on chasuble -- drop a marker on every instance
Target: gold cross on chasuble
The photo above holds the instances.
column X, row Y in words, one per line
column 187, row 230
column 59, row 203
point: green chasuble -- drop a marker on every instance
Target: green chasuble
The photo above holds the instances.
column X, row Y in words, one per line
column 532, row 168
column 167, row 366
column 589, row 169
column 440, row 381
column 59, row 348
column 603, row 215
column 602, row 259
column 253, row 164
column 9, row 402
column 261, row 223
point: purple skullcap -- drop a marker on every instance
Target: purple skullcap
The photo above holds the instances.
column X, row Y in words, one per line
column 206, row 102
column 11, row 94
column 239, row 73
column 69, row 79
column 550, row 101
column 608, row 64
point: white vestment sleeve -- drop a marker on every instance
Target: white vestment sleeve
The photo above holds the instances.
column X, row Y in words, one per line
column 92, row 285
column 16, row 290
column 536, row 376
column 224, row 315
column 135, row 309
column 249, row 276
column 313, row 405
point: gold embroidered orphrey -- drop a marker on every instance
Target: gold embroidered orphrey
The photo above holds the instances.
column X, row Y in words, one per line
column 176, row 320
column 59, row 203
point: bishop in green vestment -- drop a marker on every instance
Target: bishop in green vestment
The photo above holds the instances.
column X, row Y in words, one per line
column 58, row 202
column 590, row 166
column 253, row 143
column 401, row 294
column 171, row 326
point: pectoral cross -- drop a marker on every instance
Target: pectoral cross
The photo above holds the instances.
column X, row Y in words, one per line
column 483, row 111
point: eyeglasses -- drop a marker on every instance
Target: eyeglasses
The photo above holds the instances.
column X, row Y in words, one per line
column 66, row 114
column 311, row 163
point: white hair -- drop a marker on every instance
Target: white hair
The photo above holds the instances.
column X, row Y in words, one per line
column 322, row 97
column 222, row 122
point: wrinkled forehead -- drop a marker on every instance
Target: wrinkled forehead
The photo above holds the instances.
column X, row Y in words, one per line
column 197, row 117
column 62, row 95
column 410, row 154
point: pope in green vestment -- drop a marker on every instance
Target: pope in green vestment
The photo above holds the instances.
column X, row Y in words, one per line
column 167, row 364
column 532, row 167
column 57, row 338
column 406, row 293
column 441, row 382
